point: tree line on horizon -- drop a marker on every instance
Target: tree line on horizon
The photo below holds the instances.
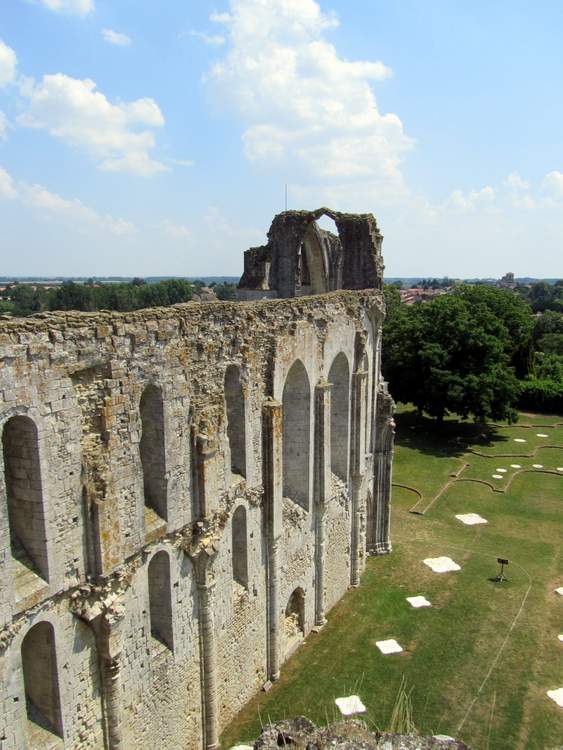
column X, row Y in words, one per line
column 25, row 299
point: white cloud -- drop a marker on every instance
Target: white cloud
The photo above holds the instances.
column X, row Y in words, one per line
column 116, row 38
column 519, row 192
column 3, row 126
column 516, row 182
column 8, row 63
column 303, row 104
column 177, row 231
column 484, row 197
column 182, row 162
column 119, row 136
column 553, row 183
column 72, row 210
column 7, row 189
column 214, row 40
column 73, row 7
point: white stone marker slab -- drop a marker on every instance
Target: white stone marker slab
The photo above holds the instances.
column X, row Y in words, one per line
column 559, row 591
column 541, row 434
column 350, row 705
column 497, row 476
column 537, row 466
column 515, row 466
column 470, row 519
column 443, row 737
column 418, row 601
column 501, row 471
column 519, row 440
column 560, row 468
column 557, row 696
column 441, row 564
column 389, row 646
column 560, row 636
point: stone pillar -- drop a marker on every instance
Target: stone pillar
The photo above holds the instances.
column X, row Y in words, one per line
column 208, row 650
column 109, row 639
column 272, row 432
column 205, row 451
column 105, row 620
column 385, row 435
column 357, row 472
column 322, row 488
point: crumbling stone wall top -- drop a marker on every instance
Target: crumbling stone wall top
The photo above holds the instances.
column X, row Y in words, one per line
column 302, row 734
column 193, row 313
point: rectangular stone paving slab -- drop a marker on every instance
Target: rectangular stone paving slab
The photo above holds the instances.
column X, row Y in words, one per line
column 350, row 705
column 389, row 646
column 470, row 519
column 418, row 601
column 441, row 564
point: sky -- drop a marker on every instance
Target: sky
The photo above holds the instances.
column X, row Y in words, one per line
column 154, row 138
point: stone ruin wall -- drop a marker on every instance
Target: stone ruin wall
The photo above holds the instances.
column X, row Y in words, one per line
column 120, row 596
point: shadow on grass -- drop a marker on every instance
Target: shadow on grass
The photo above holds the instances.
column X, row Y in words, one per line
column 451, row 438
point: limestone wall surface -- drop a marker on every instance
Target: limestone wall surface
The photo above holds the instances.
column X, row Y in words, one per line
column 156, row 620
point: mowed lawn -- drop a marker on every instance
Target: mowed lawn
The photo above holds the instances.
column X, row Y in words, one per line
column 481, row 659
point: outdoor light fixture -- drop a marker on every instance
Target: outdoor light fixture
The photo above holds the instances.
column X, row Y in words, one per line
column 501, row 577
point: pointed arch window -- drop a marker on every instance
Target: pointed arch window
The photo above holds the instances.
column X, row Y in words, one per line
column 160, row 600
column 41, row 683
column 297, row 435
column 236, row 426
column 26, row 508
column 152, row 450
column 339, row 377
column 240, row 547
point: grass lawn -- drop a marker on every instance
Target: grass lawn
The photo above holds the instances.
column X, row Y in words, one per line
column 480, row 660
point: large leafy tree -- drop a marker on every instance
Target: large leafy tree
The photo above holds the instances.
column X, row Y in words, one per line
column 452, row 354
column 514, row 314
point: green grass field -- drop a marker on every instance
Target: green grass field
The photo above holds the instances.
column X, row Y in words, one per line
column 480, row 660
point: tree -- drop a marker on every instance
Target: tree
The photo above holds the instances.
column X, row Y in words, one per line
column 514, row 314
column 550, row 322
column 544, row 296
column 71, row 296
column 26, row 300
column 450, row 355
column 225, row 291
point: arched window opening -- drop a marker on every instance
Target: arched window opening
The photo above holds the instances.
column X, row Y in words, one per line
column 296, row 435
column 294, row 623
column 240, row 547
column 26, row 510
column 152, row 450
column 160, row 600
column 236, row 427
column 339, row 377
column 40, row 677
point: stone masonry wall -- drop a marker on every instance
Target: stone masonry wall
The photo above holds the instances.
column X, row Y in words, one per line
column 80, row 379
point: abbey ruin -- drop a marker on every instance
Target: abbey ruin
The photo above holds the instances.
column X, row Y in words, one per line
column 185, row 492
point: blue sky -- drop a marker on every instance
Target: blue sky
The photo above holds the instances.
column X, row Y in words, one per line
column 145, row 138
